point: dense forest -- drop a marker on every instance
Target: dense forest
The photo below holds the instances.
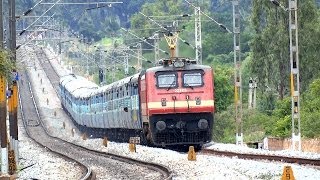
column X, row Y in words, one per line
column 264, row 46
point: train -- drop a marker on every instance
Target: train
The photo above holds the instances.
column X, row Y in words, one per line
column 171, row 104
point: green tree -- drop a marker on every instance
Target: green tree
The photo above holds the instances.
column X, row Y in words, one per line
column 6, row 65
column 281, row 119
column 270, row 45
column 223, row 84
column 310, row 113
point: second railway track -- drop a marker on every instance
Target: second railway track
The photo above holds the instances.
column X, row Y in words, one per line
column 296, row 160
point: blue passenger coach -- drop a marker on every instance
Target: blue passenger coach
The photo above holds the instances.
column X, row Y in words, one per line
column 111, row 110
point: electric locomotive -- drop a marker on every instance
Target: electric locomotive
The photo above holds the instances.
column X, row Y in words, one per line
column 177, row 103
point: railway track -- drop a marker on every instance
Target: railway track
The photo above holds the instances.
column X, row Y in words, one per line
column 113, row 165
column 35, row 130
column 295, row 160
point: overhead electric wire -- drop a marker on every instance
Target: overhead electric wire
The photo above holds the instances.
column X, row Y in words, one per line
column 24, row 30
column 28, row 41
column 167, row 30
column 144, row 40
column 31, row 9
column 219, row 24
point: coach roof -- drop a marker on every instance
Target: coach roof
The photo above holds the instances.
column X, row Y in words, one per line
column 78, row 86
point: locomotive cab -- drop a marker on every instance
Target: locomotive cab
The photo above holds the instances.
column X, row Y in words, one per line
column 177, row 102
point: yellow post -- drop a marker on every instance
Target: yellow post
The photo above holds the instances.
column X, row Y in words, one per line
column 105, row 141
column 191, row 154
column 287, row 173
column 14, row 128
column 132, row 147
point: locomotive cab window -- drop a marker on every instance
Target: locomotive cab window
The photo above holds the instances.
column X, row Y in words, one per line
column 167, row 80
column 192, row 79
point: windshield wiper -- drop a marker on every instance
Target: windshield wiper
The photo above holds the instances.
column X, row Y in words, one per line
column 187, row 85
column 171, row 85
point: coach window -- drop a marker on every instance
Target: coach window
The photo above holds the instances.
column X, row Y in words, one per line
column 112, row 92
column 127, row 89
column 134, row 89
column 192, row 79
column 121, row 92
column 166, row 80
column 131, row 89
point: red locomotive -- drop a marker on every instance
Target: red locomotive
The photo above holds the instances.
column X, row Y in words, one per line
column 177, row 103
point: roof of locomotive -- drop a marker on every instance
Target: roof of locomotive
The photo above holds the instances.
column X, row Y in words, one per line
column 172, row 68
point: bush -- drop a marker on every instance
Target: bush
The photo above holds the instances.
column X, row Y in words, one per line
column 6, row 66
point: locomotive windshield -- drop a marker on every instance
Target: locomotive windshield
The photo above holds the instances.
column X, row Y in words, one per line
column 192, row 79
column 166, row 80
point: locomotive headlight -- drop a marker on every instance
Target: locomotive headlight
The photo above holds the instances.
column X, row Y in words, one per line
column 203, row 124
column 161, row 125
column 198, row 101
column 178, row 64
column 163, row 102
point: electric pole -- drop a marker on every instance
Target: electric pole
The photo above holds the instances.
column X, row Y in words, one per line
column 3, row 125
column 156, row 48
column 3, row 106
column 1, row 25
column 126, row 62
column 237, row 73
column 295, row 84
column 13, row 152
column 197, row 15
column 139, row 63
column 255, row 86
column 250, row 104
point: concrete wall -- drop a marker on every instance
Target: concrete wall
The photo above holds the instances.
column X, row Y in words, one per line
column 308, row 145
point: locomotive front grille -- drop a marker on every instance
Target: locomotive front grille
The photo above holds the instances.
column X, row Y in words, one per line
column 189, row 128
column 179, row 138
